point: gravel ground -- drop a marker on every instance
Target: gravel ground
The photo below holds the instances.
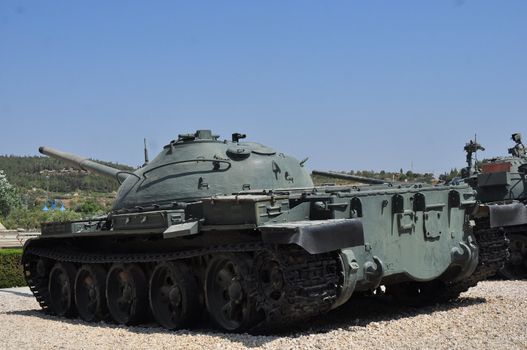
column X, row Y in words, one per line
column 489, row 316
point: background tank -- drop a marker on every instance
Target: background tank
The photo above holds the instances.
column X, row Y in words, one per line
column 237, row 231
column 501, row 180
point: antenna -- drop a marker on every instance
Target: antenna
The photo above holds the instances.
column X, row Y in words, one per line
column 146, row 152
column 476, row 151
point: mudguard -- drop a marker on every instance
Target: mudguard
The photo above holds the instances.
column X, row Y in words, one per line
column 319, row 236
column 507, row 215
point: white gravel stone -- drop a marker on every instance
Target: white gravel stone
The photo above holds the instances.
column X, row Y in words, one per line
column 489, row 316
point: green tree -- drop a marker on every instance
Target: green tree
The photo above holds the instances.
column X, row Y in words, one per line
column 9, row 198
column 31, row 219
column 89, row 206
column 449, row 176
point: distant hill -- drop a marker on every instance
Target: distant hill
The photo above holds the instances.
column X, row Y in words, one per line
column 400, row 176
column 29, row 172
column 40, row 172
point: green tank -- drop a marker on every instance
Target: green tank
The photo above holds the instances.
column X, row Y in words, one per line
column 237, row 233
column 501, row 180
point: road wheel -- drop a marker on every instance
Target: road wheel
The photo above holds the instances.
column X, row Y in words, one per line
column 173, row 295
column 516, row 265
column 61, row 289
column 126, row 293
column 229, row 292
column 90, row 288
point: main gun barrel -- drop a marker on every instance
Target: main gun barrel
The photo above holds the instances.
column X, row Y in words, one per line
column 363, row 179
column 84, row 163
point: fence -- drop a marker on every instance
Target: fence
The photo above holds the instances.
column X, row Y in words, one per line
column 15, row 239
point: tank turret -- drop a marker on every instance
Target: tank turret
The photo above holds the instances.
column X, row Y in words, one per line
column 199, row 165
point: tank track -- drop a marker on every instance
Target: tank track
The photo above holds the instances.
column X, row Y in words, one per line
column 311, row 282
column 36, row 284
column 311, row 285
column 493, row 253
column 90, row 258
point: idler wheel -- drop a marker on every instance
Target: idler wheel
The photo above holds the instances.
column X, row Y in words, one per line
column 38, row 274
column 42, row 267
column 516, row 265
column 90, row 288
column 126, row 293
column 61, row 291
column 173, row 295
column 228, row 292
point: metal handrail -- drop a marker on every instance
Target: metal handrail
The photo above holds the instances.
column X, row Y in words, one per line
column 189, row 161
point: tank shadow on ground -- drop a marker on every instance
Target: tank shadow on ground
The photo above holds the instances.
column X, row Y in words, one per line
column 359, row 312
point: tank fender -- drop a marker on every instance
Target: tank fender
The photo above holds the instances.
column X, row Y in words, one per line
column 184, row 229
column 316, row 236
column 507, row 215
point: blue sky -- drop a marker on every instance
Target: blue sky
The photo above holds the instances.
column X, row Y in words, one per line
column 351, row 84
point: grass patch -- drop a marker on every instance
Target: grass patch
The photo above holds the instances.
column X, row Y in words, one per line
column 11, row 273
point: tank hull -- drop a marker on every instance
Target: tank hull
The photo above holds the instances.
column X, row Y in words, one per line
column 236, row 233
column 277, row 258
